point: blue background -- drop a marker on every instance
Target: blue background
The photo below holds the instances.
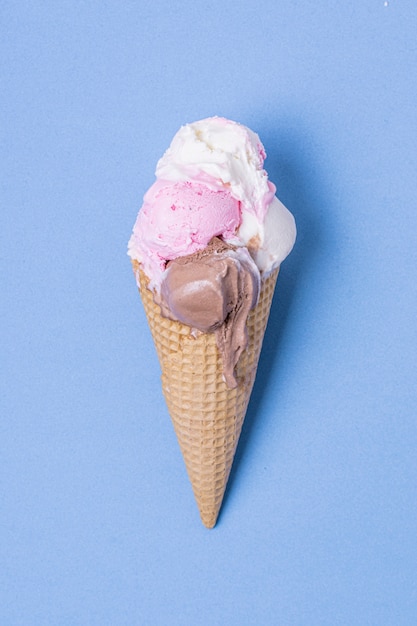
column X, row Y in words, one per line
column 98, row 524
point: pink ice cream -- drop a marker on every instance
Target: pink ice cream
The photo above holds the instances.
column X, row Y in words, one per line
column 179, row 218
column 211, row 183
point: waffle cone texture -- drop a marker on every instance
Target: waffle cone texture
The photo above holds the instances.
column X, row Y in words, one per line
column 206, row 414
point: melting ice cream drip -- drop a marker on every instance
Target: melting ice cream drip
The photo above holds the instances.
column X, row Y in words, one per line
column 213, row 290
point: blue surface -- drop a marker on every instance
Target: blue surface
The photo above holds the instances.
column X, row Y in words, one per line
column 98, row 523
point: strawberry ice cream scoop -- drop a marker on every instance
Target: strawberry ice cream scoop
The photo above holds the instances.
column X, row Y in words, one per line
column 179, row 218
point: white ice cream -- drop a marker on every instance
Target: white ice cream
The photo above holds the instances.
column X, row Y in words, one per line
column 222, row 154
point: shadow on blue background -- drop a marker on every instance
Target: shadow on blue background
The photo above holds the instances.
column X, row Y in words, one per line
column 301, row 189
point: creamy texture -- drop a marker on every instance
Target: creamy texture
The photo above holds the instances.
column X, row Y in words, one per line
column 220, row 153
column 218, row 165
column 213, row 290
column 275, row 237
column 188, row 216
column 210, row 227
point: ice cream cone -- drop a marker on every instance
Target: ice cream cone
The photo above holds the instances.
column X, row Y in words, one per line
column 206, row 414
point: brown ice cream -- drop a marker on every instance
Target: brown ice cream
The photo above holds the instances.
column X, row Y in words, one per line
column 213, row 290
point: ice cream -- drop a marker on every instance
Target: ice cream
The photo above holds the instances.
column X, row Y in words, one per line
column 213, row 290
column 206, row 250
column 211, row 184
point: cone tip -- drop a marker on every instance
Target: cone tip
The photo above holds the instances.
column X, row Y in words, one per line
column 209, row 521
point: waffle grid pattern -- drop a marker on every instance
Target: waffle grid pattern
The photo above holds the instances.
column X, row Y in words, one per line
column 206, row 414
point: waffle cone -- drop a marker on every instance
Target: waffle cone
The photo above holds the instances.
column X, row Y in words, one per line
column 206, row 414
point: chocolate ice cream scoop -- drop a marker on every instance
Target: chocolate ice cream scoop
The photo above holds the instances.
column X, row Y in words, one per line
column 213, row 290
